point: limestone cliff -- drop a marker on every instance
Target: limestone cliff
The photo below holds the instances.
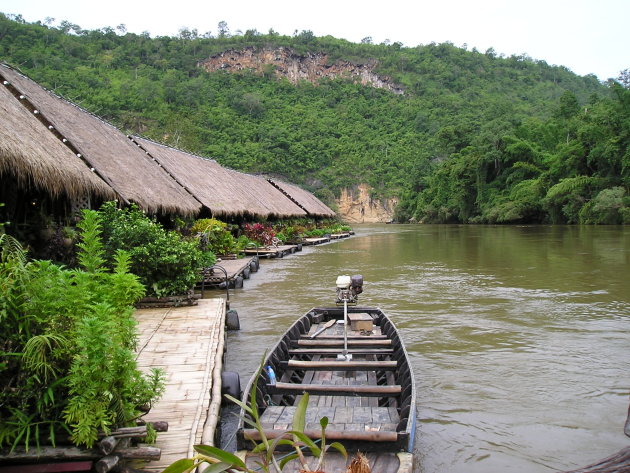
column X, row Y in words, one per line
column 284, row 62
column 356, row 206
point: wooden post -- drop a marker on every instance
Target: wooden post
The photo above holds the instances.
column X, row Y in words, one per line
column 107, row 463
column 140, row 453
column 108, row 445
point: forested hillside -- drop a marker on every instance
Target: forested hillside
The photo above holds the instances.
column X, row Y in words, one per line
column 474, row 137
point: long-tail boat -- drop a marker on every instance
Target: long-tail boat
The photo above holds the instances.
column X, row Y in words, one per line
column 352, row 363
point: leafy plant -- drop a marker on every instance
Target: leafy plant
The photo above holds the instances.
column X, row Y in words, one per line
column 214, row 236
column 261, row 234
column 67, row 350
column 165, row 263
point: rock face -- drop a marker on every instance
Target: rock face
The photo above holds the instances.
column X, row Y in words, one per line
column 356, row 206
column 283, row 62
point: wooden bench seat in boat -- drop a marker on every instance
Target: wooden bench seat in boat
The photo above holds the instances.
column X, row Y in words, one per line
column 334, row 351
column 339, row 343
column 340, row 337
column 334, row 435
column 336, row 390
column 344, row 423
column 340, row 365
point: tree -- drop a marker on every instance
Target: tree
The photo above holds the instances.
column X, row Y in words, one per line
column 624, row 78
column 224, row 30
column 569, row 105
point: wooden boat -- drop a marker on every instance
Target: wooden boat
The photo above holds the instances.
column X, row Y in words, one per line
column 352, row 362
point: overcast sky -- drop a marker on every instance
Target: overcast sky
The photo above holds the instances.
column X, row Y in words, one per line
column 586, row 36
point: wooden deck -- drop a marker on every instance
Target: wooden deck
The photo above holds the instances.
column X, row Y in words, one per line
column 234, row 269
column 279, row 251
column 316, row 241
column 337, row 236
column 188, row 344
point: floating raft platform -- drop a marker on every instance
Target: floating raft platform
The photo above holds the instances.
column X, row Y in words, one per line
column 279, row 251
column 188, row 344
column 236, row 270
column 316, row 241
column 327, row 238
column 337, row 236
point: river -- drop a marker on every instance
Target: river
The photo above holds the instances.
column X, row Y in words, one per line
column 518, row 335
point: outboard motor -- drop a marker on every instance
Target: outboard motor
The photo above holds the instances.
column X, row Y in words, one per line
column 349, row 288
column 357, row 284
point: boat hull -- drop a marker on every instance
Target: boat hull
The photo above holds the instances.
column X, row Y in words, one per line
column 368, row 397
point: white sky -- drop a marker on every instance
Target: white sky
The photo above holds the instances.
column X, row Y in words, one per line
column 586, row 36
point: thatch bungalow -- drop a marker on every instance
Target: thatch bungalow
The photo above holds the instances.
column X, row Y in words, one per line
column 40, row 175
column 129, row 171
column 51, row 146
column 311, row 204
column 224, row 192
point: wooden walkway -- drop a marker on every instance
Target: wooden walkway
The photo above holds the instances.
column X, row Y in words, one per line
column 234, row 269
column 316, row 241
column 279, row 251
column 188, row 344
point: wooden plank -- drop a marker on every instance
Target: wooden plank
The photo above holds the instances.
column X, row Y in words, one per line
column 350, row 337
column 341, row 365
column 343, row 415
column 172, row 339
column 48, row 467
column 379, row 391
column 372, row 380
column 340, row 343
column 333, row 351
column 233, row 268
column 359, row 435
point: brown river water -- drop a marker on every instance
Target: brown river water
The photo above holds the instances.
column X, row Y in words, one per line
column 519, row 336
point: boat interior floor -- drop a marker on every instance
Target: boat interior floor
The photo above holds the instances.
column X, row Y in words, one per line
column 355, row 395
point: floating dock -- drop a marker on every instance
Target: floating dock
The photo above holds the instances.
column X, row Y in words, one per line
column 236, row 270
column 316, row 241
column 337, row 236
column 279, row 251
column 188, row 344
column 326, row 238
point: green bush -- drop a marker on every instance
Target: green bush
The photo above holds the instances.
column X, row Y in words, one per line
column 165, row 263
column 606, row 208
column 214, row 235
column 67, row 358
column 315, row 233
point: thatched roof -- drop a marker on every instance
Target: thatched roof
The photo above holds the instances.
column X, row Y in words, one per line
column 124, row 166
column 33, row 156
column 223, row 191
column 304, row 199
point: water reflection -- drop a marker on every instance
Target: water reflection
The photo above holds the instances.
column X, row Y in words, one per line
column 518, row 335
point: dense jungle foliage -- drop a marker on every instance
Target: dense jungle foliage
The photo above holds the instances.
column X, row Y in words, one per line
column 476, row 137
